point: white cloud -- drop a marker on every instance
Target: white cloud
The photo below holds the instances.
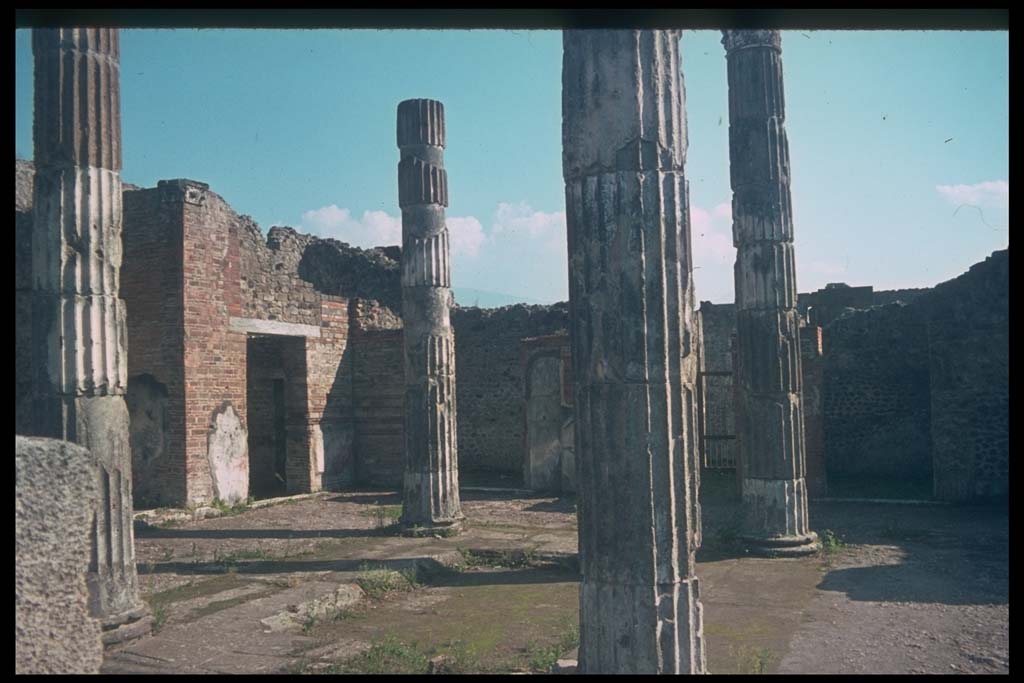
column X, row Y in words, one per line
column 466, row 235
column 374, row 229
column 713, row 252
column 518, row 221
column 711, row 235
column 523, row 253
column 379, row 228
column 723, row 211
column 995, row 193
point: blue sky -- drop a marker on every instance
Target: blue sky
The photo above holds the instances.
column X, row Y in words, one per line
column 898, row 143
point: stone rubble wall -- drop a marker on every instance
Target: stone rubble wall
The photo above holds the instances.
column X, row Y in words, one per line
column 875, row 395
column 718, row 322
column 913, row 386
column 969, row 352
column 491, row 411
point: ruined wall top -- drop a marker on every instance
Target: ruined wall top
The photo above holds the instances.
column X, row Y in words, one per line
column 614, row 109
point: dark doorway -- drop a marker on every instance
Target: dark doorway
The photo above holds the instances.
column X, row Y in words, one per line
column 271, row 361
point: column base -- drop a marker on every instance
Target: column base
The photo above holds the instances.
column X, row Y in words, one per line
column 634, row 628
column 453, row 528
column 782, row 546
column 127, row 626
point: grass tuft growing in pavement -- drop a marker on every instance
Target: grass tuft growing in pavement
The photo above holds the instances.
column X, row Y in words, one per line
column 377, row 583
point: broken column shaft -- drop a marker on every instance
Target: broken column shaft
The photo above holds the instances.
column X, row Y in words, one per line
column 769, row 415
column 431, row 482
column 633, row 351
column 80, row 371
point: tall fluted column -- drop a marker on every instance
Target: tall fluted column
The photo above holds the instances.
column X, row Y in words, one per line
column 78, row 319
column 633, row 351
column 769, row 415
column 431, row 483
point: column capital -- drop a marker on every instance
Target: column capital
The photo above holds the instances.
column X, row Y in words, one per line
column 739, row 40
column 421, row 122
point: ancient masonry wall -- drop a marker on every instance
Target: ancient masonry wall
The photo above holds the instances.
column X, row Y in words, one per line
column 811, row 365
column 968, row 334
column 490, row 388
column 491, row 417
column 915, row 387
column 152, row 287
column 320, row 422
column 216, row 448
column 212, row 269
column 875, row 396
column 329, row 376
column 378, row 394
column 291, row 278
column 549, row 442
column 718, row 322
column 270, row 284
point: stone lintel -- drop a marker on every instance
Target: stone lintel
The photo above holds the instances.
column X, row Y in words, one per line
column 272, row 327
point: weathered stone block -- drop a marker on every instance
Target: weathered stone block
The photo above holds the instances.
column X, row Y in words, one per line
column 56, row 491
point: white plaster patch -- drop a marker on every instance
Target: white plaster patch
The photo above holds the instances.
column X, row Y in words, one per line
column 228, row 452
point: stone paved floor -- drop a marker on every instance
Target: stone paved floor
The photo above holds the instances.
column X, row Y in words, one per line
column 908, row 589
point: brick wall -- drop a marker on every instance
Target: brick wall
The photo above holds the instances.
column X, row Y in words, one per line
column 811, row 365
column 329, row 378
column 215, row 357
column 152, row 289
column 379, row 406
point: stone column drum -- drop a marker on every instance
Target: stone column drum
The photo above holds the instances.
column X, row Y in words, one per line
column 431, row 483
column 769, row 415
column 633, row 351
column 79, row 335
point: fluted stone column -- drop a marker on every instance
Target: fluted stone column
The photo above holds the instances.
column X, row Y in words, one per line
column 78, row 319
column 431, row 483
column 633, row 351
column 769, row 415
